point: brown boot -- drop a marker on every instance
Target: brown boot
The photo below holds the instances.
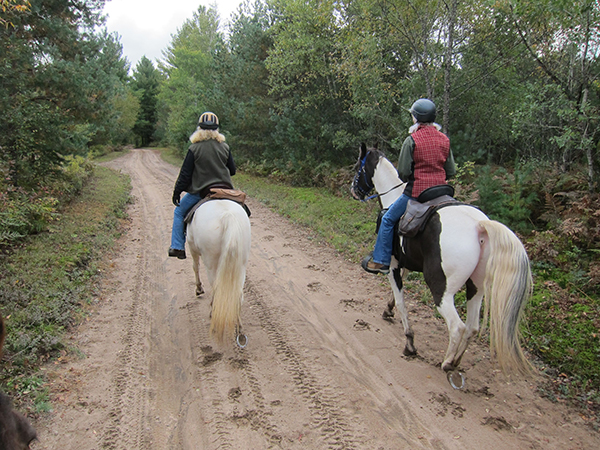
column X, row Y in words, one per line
column 372, row 267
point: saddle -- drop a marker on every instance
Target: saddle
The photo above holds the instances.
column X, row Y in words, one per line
column 419, row 211
column 216, row 193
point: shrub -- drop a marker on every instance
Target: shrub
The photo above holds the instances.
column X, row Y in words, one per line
column 24, row 212
column 503, row 196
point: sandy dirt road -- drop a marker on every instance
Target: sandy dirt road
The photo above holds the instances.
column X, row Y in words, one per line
column 322, row 369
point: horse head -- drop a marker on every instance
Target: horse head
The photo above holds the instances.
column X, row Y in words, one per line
column 362, row 185
column 16, row 433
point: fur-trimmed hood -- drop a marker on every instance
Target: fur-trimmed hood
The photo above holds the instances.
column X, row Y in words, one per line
column 416, row 126
column 204, row 135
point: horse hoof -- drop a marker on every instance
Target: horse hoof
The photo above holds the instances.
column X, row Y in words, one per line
column 389, row 316
column 456, row 379
column 199, row 291
column 409, row 351
column 242, row 340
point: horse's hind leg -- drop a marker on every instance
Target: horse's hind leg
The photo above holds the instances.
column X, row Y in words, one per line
column 398, row 299
column 474, row 299
column 456, row 331
column 195, row 264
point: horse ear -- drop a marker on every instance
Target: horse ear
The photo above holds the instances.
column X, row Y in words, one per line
column 376, row 147
column 363, row 150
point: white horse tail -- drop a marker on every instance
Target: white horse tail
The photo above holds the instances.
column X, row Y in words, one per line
column 229, row 279
column 508, row 286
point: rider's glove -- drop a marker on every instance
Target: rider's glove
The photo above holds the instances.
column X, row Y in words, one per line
column 176, row 197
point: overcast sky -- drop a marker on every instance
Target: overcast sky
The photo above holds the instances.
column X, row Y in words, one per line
column 146, row 26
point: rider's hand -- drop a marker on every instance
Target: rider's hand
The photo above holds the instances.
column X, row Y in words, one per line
column 176, row 198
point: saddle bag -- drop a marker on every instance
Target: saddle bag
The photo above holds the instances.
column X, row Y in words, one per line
column 418, row 211
column 417, row 214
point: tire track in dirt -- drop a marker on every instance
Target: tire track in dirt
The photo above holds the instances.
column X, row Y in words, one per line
column 130, row 402
column 318, row 392
column 258, row 416
column 206, row 376
column 129, row 419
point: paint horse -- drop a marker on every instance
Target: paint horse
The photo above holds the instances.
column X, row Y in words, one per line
column 458, row 246
column 219, row 233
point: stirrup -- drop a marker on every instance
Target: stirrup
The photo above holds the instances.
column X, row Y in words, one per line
column 365, row 265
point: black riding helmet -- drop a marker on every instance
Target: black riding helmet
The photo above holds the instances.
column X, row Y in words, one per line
column 208, row 121
column 423, row 110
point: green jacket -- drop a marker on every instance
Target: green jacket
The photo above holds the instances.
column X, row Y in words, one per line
column 207, row 162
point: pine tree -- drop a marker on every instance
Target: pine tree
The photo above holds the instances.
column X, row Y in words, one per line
column 146, row 81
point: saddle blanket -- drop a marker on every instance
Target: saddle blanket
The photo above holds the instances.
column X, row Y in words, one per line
column 219, row 194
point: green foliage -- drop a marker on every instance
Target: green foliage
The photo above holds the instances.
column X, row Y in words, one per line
column 188, row 88
column 310, row 97
column 145, row 85
column 564, row 331
column 503, row 196
column 62, row 89
column 46, row 283
column 242, row 82
column 23, row 212
column 21, row 215
column 302, row 83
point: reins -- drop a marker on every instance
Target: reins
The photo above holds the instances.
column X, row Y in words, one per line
column 382, row 194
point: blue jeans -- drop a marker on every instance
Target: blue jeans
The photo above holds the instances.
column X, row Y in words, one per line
column 178, row 231
column 385, row 237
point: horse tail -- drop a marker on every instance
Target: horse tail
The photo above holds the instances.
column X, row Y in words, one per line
column 229, row 279
column 507, row 286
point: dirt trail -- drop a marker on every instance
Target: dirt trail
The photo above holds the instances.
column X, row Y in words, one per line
column 322, row 369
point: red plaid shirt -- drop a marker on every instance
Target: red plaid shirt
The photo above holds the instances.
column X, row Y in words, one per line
column 430, row 154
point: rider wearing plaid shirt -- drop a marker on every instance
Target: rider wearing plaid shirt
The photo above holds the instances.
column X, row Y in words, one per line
column 425, row 161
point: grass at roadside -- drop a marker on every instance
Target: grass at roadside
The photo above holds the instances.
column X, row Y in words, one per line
column 47, row 282
column 347, row 225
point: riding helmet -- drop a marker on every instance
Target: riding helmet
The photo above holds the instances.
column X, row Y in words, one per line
column 423, row 110
column 208, row 121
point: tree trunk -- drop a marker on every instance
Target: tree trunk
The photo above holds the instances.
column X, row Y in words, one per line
column 448, row 64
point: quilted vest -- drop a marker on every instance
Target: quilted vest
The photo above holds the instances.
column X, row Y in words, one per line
column 432, row 148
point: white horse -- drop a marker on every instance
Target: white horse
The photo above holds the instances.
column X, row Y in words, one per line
column 458, row 246
column 220, row 233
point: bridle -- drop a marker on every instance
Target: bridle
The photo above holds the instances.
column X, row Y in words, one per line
column 362, row 173
column 364, row 191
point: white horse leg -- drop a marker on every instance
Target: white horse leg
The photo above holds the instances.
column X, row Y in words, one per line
column 474, row 299
column 395, row 277
column 456, row 331
column 195, row 262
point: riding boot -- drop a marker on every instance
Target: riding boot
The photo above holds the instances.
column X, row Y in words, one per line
column 372, row 267
column 180, row 254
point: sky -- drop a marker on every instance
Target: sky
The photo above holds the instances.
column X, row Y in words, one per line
column 146, row 26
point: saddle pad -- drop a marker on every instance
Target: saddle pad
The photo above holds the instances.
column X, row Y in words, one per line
column 219, row 194
column 228, row 194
